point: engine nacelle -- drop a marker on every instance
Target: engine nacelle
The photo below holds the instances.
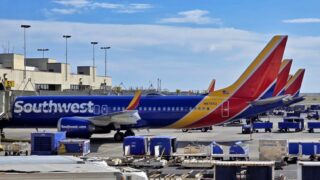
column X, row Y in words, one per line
column 76, row 127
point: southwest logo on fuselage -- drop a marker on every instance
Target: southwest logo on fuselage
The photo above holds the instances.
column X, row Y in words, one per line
column 53, row 107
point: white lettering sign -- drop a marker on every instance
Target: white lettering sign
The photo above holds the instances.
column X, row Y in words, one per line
column 52, row 107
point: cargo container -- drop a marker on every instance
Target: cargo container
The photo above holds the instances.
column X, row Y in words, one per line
column 163, row 145
column 272, row 150
column 135, row 145
column 308, row 170
column 75, row 147
column 249, row 170
column 45, row 143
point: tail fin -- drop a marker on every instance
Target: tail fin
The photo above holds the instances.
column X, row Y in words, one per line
column 135, row 100
column 282, row 77
column 294, row 84
column 261, row 72
column 211, row 86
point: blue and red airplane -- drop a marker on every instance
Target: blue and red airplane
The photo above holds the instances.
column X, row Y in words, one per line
column 82, row 116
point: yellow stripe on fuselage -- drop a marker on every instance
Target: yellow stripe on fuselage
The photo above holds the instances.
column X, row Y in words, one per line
column 209, row 103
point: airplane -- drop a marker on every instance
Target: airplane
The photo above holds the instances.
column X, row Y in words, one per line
column 82, row 116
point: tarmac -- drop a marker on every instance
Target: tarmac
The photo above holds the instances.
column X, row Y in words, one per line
column 103, row 145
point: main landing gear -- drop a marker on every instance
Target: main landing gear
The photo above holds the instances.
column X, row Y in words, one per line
column 118, row 136
column 2, row 133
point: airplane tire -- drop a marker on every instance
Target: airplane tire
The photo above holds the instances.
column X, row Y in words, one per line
column 118, row 136
column 184, row 130
column 204, row 129
column 129, row 133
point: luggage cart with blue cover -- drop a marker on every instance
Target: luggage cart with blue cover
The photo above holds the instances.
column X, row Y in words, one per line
column 312, row 126
column 239, row 151
column 288, row 123
column 302, row 150
column 313, row 115
column 266, row 126
column 217, row 151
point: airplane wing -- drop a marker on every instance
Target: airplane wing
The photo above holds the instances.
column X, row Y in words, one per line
column 126, row 117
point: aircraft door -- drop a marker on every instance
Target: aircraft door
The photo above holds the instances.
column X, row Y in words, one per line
column 225, row 109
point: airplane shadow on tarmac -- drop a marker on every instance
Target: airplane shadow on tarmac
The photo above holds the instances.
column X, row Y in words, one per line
column 96, row 142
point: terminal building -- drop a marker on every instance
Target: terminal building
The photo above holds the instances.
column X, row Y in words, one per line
column 37, row 74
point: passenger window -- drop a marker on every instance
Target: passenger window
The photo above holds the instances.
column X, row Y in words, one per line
column 169, row 108
column 159, row 108
column 154, row 109
column 149, row 108
column 145, row 108
column 164, row 108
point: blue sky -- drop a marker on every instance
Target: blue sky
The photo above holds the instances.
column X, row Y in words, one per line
column 184, row 43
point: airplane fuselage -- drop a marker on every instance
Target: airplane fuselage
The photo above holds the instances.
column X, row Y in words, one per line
column 156, row 111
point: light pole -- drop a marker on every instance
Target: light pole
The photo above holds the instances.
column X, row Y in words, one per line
column 24, row 26
column 43, row 50
column 105, row 48
column 94, row 65
column 66, row 68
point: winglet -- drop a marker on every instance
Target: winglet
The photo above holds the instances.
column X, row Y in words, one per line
column 135, row 100
column 211, row 86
